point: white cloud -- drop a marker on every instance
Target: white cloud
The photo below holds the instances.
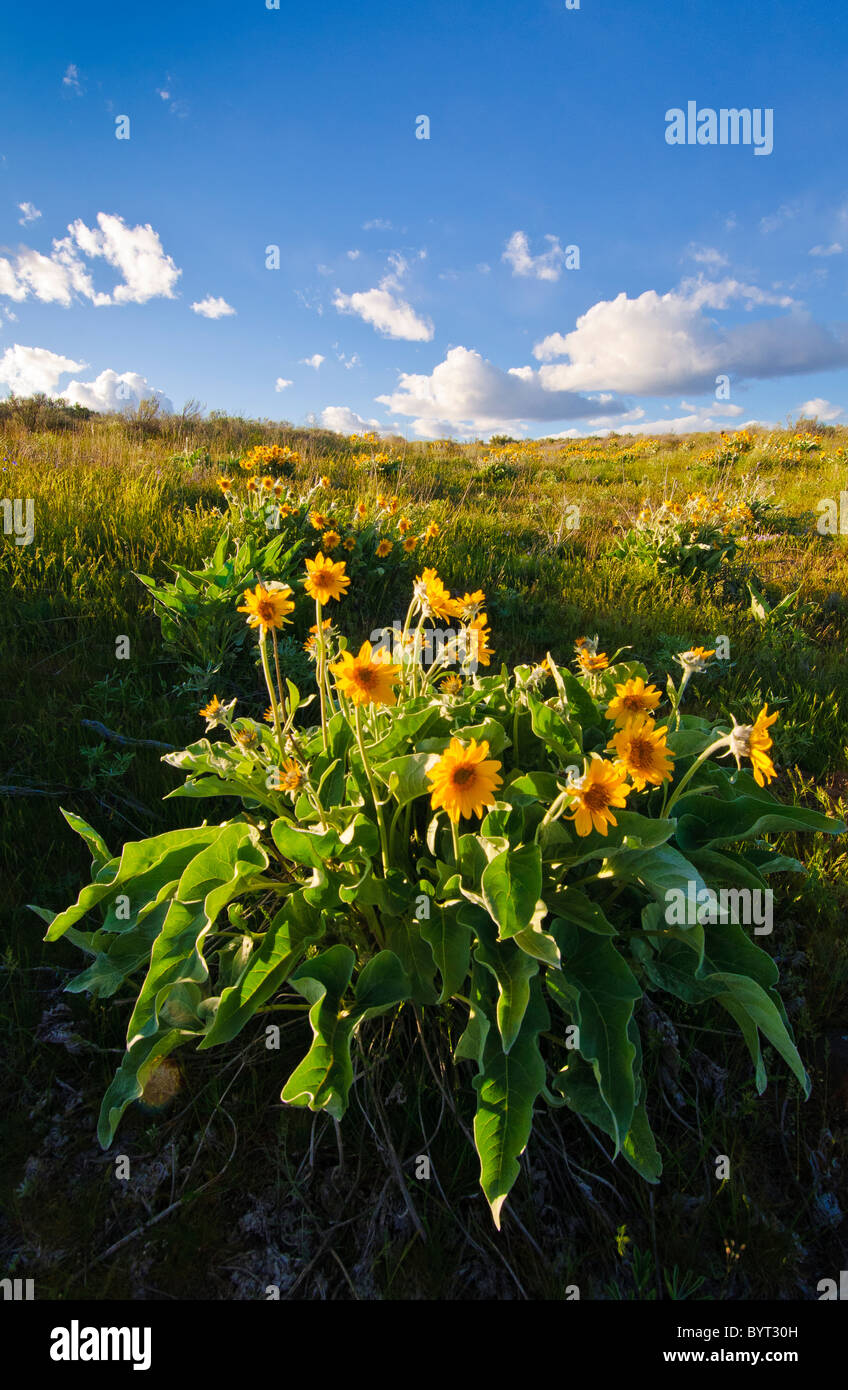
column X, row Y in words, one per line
column 346, row 421
column 391, row 316
column 547, row 266
column 26, row 370
column 71, row 79
column 146, row 271
column 210, row 308
column 30, row 213
column 384, row 309
column 314, row 361
column 353, row 255
column 818, row 409
column 656, row 345
column 113, row 391
column 834, row 249
column 378, row 225
column 280, row 384
column 706, row 255
column 469, row 394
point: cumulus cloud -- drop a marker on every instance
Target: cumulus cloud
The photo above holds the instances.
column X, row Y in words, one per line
column 280, row 384
column 546, row 266
column 113, row 391
column 314, row 361
column 30, row 213
column 135, row 252
column 656, row 344
column 346, row 421
column 210, row 308
column 469, row 394
column 353, row 255
column 26, row 370
column 818, row 409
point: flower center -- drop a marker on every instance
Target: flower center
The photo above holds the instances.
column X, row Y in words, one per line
column 462, row 775
column 641, row 753
column 596, row 798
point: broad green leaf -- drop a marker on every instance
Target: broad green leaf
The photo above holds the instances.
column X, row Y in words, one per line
column 450, row 942
column 295, row 926
column 137, row 1066
column 507, row 1088
column 597, row 988
column 511, row 886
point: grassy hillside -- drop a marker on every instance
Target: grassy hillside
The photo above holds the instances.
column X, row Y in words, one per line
column 276, row 1197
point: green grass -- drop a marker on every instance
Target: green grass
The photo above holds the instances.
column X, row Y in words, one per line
column 280, row 1208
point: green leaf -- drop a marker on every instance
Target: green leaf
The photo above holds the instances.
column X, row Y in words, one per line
column 513, row 970
column 449, row 940
column 323, row 1079
column 511, row 886
column 406, row 777
column 137, row 1066
column 162, row 858
column 597, row 988
column 507, row 1088
column 295, row 926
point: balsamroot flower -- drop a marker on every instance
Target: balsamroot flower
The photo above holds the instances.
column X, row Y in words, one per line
column 464, row 780
column 325, row 578
column 364, row 680
column 268, row 606
column 603, row 786
column 642, row 753
column 632, row 697
column 752, row 741
column 434, row 599
column 695, row 662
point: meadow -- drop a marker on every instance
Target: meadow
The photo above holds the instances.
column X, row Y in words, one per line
column 233, row 1193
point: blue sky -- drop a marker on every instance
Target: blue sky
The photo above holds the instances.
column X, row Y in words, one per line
column 431, row 277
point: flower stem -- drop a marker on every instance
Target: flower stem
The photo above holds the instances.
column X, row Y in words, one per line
column 322, row 655
column 266, row 668
column 723, row 742
column 369, row 774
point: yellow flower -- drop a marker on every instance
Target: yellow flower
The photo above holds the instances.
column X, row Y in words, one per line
column 267, row 483
column 349, row 543
column 311, row 643
column 602, row 786
column 318, row 521
column 365, row 681
column 589, row 662
column 330, row 540
column 641, row 750
column 225, row 484
column 451, row 685
column 361, row 510
column 410, row 543
column 383, row 549
column 434, row 598
column 469, row 605
column 752, row 741
column 404, row 525
column 211, row 710
column 464, row 780
column 267, row 608
column 479, row 635
column 325, row 578
column 431, row 532
column 325, row 481
column 251, row 485
column 291, row 775
column 633, row 697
